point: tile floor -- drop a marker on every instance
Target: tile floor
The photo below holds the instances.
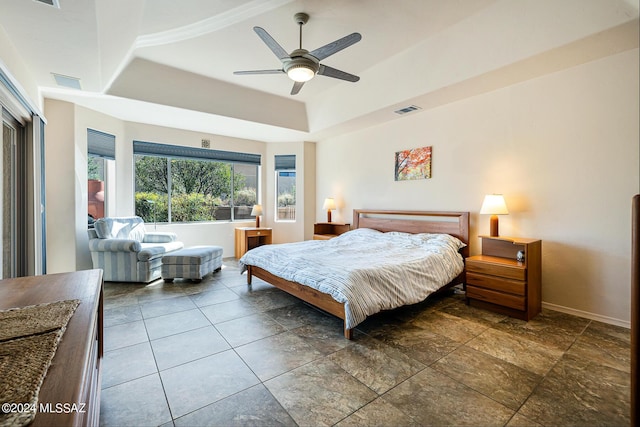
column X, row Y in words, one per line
column 220, row 353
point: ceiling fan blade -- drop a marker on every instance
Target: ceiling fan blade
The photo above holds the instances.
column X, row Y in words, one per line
column 336, row 46
column 296, row 87
column 258, row 72
column 271, row 43
column 337, row 74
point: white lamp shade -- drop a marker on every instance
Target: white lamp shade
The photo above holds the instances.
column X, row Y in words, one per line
column 329, row 204
column 494, row 205
column 256, row 211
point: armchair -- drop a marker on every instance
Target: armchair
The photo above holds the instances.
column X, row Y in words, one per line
column 126, row 252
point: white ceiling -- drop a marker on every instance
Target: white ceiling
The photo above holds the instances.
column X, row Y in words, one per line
column 171, row 63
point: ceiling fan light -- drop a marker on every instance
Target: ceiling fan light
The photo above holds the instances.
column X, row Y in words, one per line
column 300, row 73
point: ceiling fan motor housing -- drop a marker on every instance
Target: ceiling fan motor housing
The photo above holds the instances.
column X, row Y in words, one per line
column 301, row 18
column 301, row 58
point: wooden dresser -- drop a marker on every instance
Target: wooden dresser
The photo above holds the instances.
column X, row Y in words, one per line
column 498, row 281
column 74, row 374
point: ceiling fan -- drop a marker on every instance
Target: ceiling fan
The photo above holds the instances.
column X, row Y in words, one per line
column 301, row 65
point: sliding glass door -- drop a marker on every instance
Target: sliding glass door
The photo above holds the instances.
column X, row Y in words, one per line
column 12, row 260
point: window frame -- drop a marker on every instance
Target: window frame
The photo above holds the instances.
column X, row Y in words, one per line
column 173, row 152
column 284, row 164
column 102, row 147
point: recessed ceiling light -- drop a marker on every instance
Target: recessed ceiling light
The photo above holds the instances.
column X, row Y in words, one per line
column 67, row 81
column 54, row 3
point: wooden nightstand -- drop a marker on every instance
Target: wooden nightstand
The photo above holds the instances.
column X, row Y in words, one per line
column 329, row 230
column 496, row 280
column 250, row 237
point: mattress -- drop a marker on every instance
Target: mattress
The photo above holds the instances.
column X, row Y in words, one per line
column 367, row 270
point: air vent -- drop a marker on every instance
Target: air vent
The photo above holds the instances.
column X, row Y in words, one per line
column 409, row 109
column 66, row 81
column 54, row 3
column 206, row 143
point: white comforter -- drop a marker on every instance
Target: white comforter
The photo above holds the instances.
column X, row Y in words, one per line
column 367, row 270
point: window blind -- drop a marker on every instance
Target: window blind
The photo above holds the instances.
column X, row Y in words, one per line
column 285, row 162
column 180, row 152
column 101, row 144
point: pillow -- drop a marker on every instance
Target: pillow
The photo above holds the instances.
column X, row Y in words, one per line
column 103, row 228
column 137, row 231
column 360, row 232
column 452, row 241
column 131, row 228
column 365, row 231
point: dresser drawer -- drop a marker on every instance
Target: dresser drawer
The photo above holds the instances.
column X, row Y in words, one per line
column 508, row 271
column 516, row 287
column 499, row 298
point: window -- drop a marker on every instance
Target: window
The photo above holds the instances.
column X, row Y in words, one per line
column 184, row 184
column 101, row 148
column 96, row 186
column 245, row 184
column 285, row 188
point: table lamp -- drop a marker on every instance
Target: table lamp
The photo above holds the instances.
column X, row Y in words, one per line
column 257, row 211
column 494, row 205
column 329, row 205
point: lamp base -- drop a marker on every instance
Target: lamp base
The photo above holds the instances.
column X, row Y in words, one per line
column 328, row 216
column 258, row 221
column 493, row 226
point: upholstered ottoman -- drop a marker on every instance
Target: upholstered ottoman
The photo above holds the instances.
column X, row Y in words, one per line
column 191, row 263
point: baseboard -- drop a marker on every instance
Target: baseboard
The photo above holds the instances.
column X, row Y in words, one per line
column 587, row 315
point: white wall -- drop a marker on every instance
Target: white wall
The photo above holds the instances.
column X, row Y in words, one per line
column 562, row 148
column 10, row 58
column 309, row 189
column 62, row 185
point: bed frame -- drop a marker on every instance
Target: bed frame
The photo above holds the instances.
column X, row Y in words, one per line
column 454, row 223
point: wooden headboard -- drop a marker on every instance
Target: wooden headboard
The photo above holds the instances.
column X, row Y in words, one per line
column 454, row 223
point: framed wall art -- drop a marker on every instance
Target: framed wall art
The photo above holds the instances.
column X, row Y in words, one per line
column 414, row 163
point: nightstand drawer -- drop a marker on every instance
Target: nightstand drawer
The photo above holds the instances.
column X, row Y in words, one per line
column 506, row 300
column 257, row 233
column 516, row 287
column 508, row 271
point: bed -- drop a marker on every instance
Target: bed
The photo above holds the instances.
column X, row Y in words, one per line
column 367, row 269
